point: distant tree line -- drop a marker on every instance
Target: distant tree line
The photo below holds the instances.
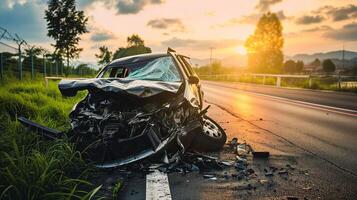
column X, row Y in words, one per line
column 216, row 68
column 135, row 45
column 290, row 66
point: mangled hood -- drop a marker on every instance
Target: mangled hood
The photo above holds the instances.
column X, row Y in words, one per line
column 139, row 88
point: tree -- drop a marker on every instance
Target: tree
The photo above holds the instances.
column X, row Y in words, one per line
column 299, row 66
column 32, row 54
column 289, row 66
column 135, row 40
column 216, row 67
column 104, row 56
column 328, row 66
column 35, row 50
column 265, row 45
column 315, row 64
column 135, row 46
column 65, row 24
column 84, row 69
column 354, row 69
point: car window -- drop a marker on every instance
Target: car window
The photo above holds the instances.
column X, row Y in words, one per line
column 115, row 72
column 159, row 69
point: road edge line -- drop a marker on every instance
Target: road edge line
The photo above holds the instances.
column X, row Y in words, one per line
column 285, row 139
column 157, row 186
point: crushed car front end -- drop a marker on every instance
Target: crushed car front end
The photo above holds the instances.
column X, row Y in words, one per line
column 138, row 107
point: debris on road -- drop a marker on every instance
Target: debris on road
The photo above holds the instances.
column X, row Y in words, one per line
column 261, row 154
column 233, row 143
column 269, row 174
column 292, row 198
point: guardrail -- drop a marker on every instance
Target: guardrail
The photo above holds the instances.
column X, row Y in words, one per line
column 56, row 78
column 279, row 77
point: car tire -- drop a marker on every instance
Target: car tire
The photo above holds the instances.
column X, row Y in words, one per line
column 211, row 139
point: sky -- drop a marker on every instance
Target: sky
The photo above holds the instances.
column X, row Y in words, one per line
column 192, row 27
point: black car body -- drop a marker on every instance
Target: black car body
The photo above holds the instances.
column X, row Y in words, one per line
column 139, row 107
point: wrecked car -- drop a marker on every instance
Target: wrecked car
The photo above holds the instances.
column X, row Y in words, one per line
column 139, row 107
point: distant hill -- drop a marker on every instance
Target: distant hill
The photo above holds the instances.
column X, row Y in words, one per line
column 200, row 62
column 307, row 58
column 239, row 60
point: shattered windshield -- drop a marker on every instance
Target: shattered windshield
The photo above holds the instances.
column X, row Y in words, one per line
column 158, row 69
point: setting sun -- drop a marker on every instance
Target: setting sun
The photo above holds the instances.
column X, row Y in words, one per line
column 240, row 50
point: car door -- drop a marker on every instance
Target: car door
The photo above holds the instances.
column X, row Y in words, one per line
column 196, row 88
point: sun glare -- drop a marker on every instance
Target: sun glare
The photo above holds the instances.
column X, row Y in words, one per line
column 240, row 50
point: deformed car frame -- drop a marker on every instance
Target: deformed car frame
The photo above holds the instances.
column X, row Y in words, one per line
column 139, row 107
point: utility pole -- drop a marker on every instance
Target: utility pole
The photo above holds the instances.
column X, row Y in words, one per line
column 44, row 64
column 32, row 65
column 19, row 61
column 19, row 42
column 56, row 66
column 210, row 59
column 343, row 56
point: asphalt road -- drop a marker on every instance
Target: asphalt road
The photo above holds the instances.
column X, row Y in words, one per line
column 323, row 123
column 314, row 131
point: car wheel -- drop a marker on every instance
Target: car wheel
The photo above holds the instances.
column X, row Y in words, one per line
column 212, row 138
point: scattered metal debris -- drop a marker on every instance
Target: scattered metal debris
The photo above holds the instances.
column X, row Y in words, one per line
column 292, row 198
column 261, row 154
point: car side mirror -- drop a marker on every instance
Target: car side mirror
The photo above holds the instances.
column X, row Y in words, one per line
column 193, row 80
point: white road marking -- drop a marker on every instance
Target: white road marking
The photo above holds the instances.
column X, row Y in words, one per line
column 157, row 186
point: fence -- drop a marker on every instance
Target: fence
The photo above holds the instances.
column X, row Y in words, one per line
column 19, row 59
column 15, row 62
column 332, row 81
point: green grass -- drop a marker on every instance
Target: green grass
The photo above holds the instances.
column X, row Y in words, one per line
column 31, row 167
column 117, row 187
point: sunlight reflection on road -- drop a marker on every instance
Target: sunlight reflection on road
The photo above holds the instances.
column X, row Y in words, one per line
column 243, row 105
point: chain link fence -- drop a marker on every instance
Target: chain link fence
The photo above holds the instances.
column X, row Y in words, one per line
column 18, row 60
column 15, row 63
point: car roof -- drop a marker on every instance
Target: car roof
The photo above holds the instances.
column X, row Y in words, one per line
column 137, row 58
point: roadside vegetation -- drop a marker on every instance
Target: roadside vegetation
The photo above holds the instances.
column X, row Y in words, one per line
column 31, row 167
column 265, row 56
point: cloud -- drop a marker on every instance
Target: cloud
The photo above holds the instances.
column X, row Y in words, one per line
column 322, row 29
column 342, row 13
column 102, row 36
column 281, row 15
column 24, row 18
column 310, row 19
column 318, row 29
column 134, row 6
column 248, row 19
column 329, row 12
column 201, row 44
column 173, row 24
column 264, row 5
column 122, row 6
column 347, row 32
